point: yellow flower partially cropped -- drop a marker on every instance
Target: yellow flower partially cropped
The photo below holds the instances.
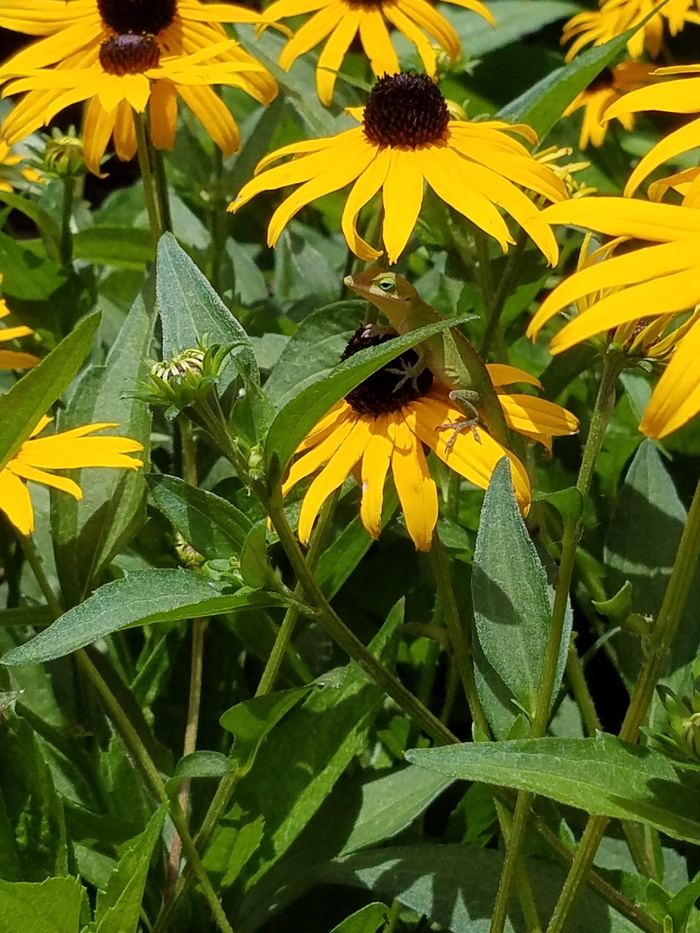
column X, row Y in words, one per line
column 679, row 96
column 638, row 292
column 340, row 21
column 14, row 359
column 604, row 90
column 122, row 56
column 406, row 139
column 382, row 427
column 11, row 166
column 613, row 17
column 67, row 450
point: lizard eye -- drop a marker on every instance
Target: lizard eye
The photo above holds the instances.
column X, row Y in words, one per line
column 386, row 285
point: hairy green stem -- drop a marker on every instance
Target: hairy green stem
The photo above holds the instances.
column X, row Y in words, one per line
column 602, row 411
column 149, row 188
column 66, row 216
column 579, row 688
column 657, row 648
column 34, row 561
column 161, row 186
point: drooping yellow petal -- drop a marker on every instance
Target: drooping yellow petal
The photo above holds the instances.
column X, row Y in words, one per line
column 682, row 140
column 26, row 471
column 16, row 502
column 446, row 173
column 281, row 9
column 434, row 23
column 376, row 42
column 403, row 196
column 332, row 476
column 333, row 53
column 97, row 129
column 638, row 266
column 326, row 445
column 311, row 33
column 409, row 29
column 375, row 465
column 669, row 294
column 668, row 96
column 476, row 7
column 125, row 144
column 415, row 486
column 676, row 398
column 214, row 116
column 366, row 186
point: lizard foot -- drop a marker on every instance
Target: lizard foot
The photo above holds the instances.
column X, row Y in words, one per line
column 457, row 428
column 408, row 373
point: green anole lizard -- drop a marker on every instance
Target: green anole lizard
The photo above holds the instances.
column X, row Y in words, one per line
column 450, row 357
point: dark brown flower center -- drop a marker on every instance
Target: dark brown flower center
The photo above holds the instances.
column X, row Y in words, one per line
column 129, row 54
column 386, row 390
column 137, row 16
column 604, row 79
column 405, row 110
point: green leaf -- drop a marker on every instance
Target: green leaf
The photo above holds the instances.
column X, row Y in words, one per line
column 119, row 907
column 189, row 309
column 514, row 19
column 29, row 399
column 455, row 887
column 301, row 413
column 542, row 105
column 641, row 546
column 512, row 609
column 89, row 532
column 251, row 721
column 52, row 906
column 198, row 765
column 367, row 919
column 314, row 350
column 213, row 526
column 121, row 247
column 33, row 843
column 603, row 775
column 141, row 598
column 256, row 569
column 48, row 227
column 26, row 271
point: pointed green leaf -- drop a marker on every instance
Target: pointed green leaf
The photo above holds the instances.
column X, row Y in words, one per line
column 198, row 765
column 141, row 598
column 89, row 532
column 603, row 775
column 213, row 526
column 366, row 920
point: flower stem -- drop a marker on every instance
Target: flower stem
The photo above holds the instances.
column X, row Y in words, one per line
column 133, row 740
column 347, row 640
column 604, row 403
column 161, row 185
column 66, row 215
column 460, row 636
column 497, row 303
column 149, row 188
column 657, row 648
column 34, row 561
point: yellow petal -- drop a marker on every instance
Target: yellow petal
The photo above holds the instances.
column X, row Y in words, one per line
column 375, row 465
column 669, row 96
column 647, row 263
column 409, row 29
column 676, row 398
column 333, row 475
column 214, row 116
column 476, row 7
column 97, row 129
column 16, row 502
column 12, row 359
column 333, row 53
column 415, row 486
column 364, row 189
column 661, row 223
column 125, row 132
column 47, row 479
column 326, row 446
column 163, row 112
column 660, row 296
column 427, row 17
column 447, row 173
column 376, row 42
column 311, row 33
column 503, row 375
column 531, row 415
column 682, row 140
column 402, row 195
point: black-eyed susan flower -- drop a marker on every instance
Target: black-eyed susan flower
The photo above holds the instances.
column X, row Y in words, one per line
column 339, row 21
column 67, row 450
column 407, row 138
column 385, row 424
column 636, row 296
column 122, row 55
column 14, row 359
column 678, row 96
column 613, row 17
column 604, row 90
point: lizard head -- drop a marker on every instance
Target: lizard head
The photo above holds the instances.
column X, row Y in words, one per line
column 384, row 289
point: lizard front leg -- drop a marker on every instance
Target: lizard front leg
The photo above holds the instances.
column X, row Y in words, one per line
column 465, row 398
